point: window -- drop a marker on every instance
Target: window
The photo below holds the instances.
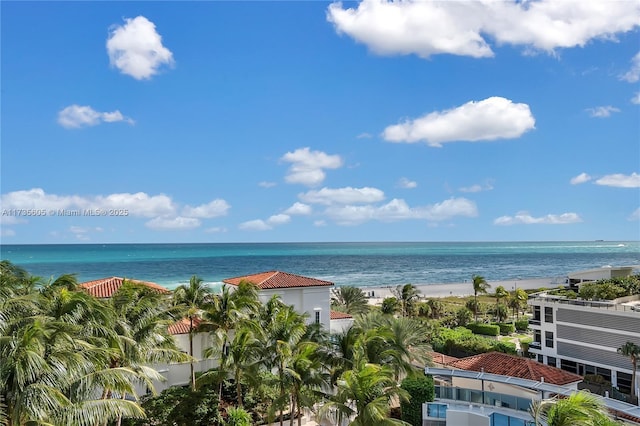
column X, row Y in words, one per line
column 317, row 317
column 439, row 411
column 537, row 336
column 548, row 314
column 569, row 366
column 536, row 313
column 548, row 339
column 551, row 361
column 624, row 382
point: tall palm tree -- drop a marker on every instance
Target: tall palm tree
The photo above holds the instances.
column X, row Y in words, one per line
column 579, row 409
column 631, row 350
column 308, row 378
column 407, row 295
column 500, row 294
column 480, row 286
column 363, row 396
column 351, row 300
column 191, row 299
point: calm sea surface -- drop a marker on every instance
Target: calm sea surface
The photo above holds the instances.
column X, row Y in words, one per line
column 360, row 264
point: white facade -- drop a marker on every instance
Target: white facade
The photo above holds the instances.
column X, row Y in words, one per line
column 583, row 336
column 313, row 301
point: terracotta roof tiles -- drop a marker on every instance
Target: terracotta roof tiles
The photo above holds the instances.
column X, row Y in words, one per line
column 182, row 326
column 277, row 279
column 335, row 315
column 515, row 366
column 105, row 287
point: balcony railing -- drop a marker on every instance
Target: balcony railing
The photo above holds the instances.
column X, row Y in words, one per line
column 474, row 396
column 544, row 297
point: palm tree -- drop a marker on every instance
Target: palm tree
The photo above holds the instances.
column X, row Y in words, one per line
column 191, row 299
column 407, row 295
column 480, row 286
column 308, row 377
column 364, row 396
column 351, row 300
column 500, row 294
column 631, row 350
column 579, row 409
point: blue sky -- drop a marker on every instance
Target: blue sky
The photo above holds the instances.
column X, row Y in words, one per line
column 319, row 121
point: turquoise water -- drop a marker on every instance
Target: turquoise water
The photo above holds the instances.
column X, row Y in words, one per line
column 360, row 264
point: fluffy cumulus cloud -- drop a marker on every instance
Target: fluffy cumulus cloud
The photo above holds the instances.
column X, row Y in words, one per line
column 307, row 167
column 620, row 180
column 160, row 209
column 265, row 225
column 215, row 208
column 581, row 178
column 489, row 119
column 398, row 209
column 347, row 195
column 173, row 223
column 602, row 111
column 136, row 49
column 524, row 218
column 431, row 27
column 299, row 209
column 76, row 116
column 633, row 74
column 407, row 183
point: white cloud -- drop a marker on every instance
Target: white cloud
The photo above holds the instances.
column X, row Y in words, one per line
column 36, row 198
column 636, row 98
column 307, row 167
column 215, row 230
column 602, row 111
column 265, row 225
column 11, row 220
column 173, row 223
column 136, row 49
column 364, row 135
column 82, row 233
column 581, row 178
column 633, row 74
column 524, row 218
column 489, row 119
column 620, row 181
column 635, row 216
column 6, row 232
column 477, row 188
column 406, row 183
column 347, row 195
column 138, row 204
column 319, row 223
column 430, row 27
column 299, row 209
column 215, row 208
column 398, row 209
column 265, row 184
column 255, row 225
column 76, row 116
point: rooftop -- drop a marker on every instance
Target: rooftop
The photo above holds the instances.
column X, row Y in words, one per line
column 515, row 366
column 335, row 315
column 182, row 326
column 277, row 279
column 105, row 287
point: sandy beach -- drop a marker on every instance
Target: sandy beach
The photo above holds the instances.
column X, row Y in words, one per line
column 376, row 294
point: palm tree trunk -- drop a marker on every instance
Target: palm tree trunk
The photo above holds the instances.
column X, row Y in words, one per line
column 475, row 305
column 292, row 406
column 634, row 364
column 239, row 389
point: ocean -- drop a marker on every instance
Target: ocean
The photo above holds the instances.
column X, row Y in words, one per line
column 359, row 263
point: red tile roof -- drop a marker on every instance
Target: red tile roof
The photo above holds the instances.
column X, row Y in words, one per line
column 515, row 366
column 277, row 279
column 442, row 359
column 182, row 326
column 105, row 287
column 335, row 315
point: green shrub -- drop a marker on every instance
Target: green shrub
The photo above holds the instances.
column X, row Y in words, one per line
column 506, row 328
column 522, row 325
column 484, row 329
column 421, row 389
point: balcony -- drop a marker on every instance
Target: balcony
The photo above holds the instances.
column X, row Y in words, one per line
column 474, row 396
column 536, row 346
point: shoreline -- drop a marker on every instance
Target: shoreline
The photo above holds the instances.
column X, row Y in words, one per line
column 377, row 293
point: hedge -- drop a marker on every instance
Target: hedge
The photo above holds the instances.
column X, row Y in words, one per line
column 420, row 389
column 522, row 325
column 505, row 328
column 484, row 329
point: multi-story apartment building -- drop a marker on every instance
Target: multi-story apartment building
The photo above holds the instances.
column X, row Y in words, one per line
column 583, row 337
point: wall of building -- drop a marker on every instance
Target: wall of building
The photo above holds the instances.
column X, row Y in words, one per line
column 307, row 300
column 466, row 418
column 340, row 325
